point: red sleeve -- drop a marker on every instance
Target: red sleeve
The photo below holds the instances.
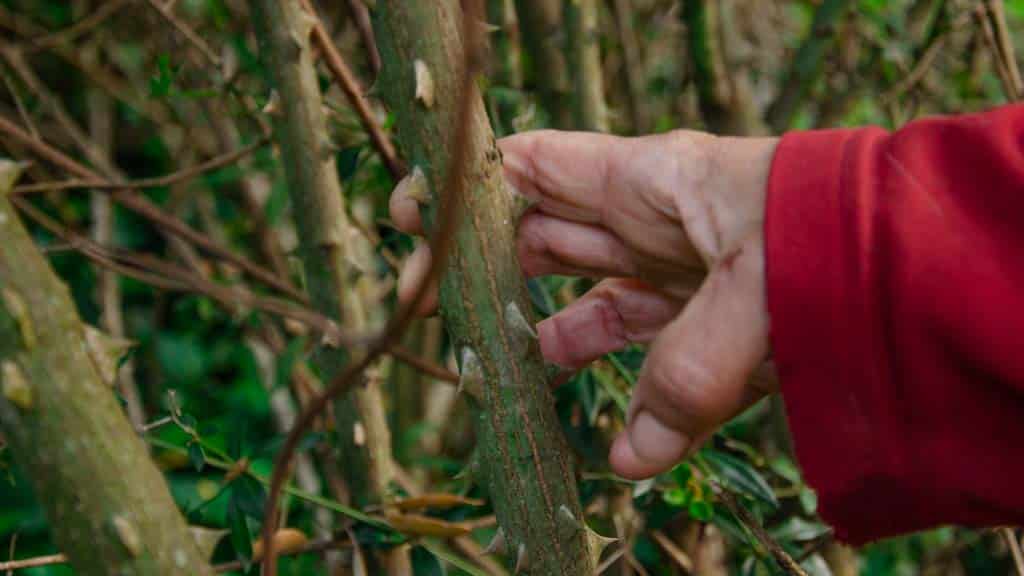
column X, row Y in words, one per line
column 895, row 278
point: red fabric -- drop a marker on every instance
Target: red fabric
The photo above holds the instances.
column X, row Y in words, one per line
column 895, row 278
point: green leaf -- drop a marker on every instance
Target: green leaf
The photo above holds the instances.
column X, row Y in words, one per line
column 677, row 497
column 196, row 456
column 241, row 535
column 797, row 529
column 701, row 510
column 808, row 500
column 682, row 473
column 237, row 438
column 286, row 361
column 740, row 477
column 276, row 202
column 248, row 495
column 348, row 161
column 161, row 83
column 182, row 357
column 189, row 422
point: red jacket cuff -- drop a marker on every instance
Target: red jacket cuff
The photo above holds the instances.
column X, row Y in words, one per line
column 893, row 290
column 806, row 278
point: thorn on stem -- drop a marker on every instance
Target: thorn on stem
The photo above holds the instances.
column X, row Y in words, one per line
column 567, row 518
column 471, row 377
column 522, row 559
column 520, row 329
column 424, row 83
column 498, row 544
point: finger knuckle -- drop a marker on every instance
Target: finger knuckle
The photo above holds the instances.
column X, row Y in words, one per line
column 684, row 384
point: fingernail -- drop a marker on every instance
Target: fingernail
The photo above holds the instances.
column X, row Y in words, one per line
column 654, row 441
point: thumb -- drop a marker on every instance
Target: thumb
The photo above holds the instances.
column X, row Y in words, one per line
column 696, row 374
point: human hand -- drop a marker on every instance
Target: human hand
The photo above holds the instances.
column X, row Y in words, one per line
column 673, row 224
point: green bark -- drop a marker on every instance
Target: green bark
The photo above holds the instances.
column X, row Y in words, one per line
column 524, row 459
column 589, row 107
column 806, row 64
column 508, row 65
column 107, row 504
column 725, row 102
column 505, row 42
column 327, row 240
column 541, row 25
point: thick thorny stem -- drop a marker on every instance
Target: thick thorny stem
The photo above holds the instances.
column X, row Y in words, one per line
column 109, row 507
column 525, row 460
column 327, row 238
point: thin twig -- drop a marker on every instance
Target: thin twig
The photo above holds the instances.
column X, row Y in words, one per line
column 187, row 32
column 149, row 210
column 1014, row 545
column 11, row 549
column 998, row 13
column 440, row 247
column 34, row 562
column 989, row 36
column 19, row 104
column 782, row 558
column 348, row 83
column 98, row 16
column 178, row 177
column 611, row 559
column 675, row 552
column 91, row 250
column 158, row 423
column 361, row 15
column 169, row 276
column 16, row 60
column 924, row 64
column 634, row 563
column 53, row 559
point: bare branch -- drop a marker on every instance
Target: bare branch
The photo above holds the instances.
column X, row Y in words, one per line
column 440, row 246
column 362, row 17
column 169, row 276
column 186, row 31
column 147, row 209
column 161, row 181
column 348, row 83
column 98, row 16
column 784, row 560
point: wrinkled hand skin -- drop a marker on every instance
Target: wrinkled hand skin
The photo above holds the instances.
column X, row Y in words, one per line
column 672, row 225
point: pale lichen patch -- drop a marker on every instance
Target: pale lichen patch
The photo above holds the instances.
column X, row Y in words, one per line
column 16, row 388
column 127, row 535
column 18, row 309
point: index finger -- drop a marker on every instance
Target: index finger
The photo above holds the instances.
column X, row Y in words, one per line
column 570, row 174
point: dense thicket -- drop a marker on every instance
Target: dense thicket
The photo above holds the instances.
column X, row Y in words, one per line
column 196, row 248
